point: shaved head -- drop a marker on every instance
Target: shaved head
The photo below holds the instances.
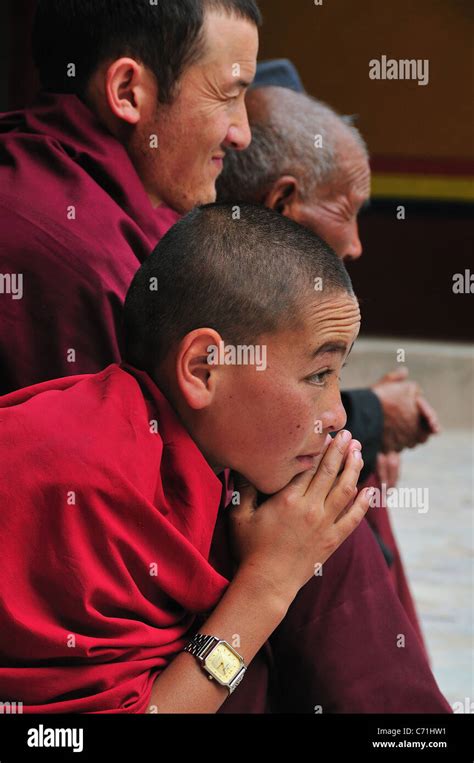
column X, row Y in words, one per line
column 243, row 271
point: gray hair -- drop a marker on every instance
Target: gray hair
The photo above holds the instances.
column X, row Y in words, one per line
column 292, row 134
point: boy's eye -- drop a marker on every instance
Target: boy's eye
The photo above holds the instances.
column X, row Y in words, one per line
column 320, row 377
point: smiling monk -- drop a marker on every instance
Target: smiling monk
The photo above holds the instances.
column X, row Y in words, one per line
column 120, row 590
column 138, row 103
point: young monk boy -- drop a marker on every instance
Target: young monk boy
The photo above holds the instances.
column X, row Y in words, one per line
column 110, row 494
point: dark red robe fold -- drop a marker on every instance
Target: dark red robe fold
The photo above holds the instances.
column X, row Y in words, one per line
column 107, row 527
column 379, row 520
column 116, row 549
column 345, row 645
column 76, row 223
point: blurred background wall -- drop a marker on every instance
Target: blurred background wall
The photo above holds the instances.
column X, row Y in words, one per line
column 420, row 139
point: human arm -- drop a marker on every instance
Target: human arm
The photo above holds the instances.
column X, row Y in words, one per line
column 277, row 546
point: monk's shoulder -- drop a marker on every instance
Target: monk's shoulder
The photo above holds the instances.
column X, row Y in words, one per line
column 97, row 426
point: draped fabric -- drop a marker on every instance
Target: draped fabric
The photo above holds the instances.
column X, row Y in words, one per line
column 108, row 513
column 75, row 225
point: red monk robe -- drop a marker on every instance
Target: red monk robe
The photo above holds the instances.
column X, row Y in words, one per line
column 379, row 520
column 107, row 528
column 75, row 224
column 109, row 525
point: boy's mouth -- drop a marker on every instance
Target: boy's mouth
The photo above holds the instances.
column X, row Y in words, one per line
column 308, row 459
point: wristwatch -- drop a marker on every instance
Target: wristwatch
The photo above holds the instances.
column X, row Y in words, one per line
column 219, row 659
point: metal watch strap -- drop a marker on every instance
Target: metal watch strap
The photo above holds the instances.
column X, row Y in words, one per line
column 200, row 646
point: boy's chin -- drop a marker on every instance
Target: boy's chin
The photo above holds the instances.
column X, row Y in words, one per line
column 269, row 486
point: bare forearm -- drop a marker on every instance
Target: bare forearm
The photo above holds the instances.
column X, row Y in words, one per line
column 250, row 610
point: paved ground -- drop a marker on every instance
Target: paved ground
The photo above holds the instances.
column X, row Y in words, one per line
column 437, row 550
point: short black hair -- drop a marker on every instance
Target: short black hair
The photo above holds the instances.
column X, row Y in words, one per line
column 241, row 270
column 166, row 37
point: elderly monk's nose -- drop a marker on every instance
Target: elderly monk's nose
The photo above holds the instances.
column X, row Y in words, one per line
column 354, row 247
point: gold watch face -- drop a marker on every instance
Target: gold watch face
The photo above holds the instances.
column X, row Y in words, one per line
column 223, row 663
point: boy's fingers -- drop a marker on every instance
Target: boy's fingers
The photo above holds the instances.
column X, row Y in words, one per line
column 352, row 518
column 345, row 488
column 302, row 480
column 323, row 480
column 353, row 445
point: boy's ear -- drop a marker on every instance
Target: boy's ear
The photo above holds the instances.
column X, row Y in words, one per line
column 195, row 376
column 282, row 194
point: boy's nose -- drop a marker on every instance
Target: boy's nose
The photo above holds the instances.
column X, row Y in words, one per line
column 336, row 417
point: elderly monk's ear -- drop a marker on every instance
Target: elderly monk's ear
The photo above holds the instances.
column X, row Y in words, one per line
column 130, row 90
column 282, row 195
column 198, row 368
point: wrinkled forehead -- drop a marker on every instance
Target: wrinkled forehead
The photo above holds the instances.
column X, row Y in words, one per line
column 326, row 325
column 336, row 313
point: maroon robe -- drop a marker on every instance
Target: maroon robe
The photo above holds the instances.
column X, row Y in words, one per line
column 109, row 510
column 75, row 223
column 346, row 644
column 100, row 482
column 379, row 520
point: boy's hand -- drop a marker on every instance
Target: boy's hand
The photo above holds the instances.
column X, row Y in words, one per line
column 285, row 537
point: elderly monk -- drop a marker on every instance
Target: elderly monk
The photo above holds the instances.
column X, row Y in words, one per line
column 107, row 574
column 139, row 102
column 310, row 164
